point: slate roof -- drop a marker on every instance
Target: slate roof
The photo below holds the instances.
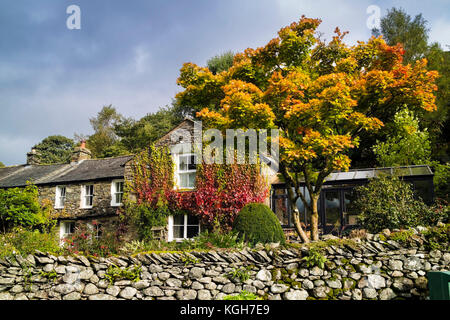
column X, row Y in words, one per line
column 87, row 170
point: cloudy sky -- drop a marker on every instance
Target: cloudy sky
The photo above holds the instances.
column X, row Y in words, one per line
column 128, row 53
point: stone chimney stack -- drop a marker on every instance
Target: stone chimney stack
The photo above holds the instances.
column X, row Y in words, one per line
column 81, row 153
column 33, row 157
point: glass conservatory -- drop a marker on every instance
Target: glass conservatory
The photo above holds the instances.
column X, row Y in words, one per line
column 337, row 214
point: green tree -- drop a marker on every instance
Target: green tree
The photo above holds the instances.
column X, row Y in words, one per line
column 399, row 27
column 54, row 149
column 221, row 62
column 406, row 144
column 104, row 138
column 2, row 165
column 137, row 135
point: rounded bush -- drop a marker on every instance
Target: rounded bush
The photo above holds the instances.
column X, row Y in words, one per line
column 257, row 223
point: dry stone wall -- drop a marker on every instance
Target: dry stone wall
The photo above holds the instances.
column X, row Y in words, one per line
column 373, row 269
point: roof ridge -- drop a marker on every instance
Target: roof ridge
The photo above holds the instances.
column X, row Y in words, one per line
column 123, row 156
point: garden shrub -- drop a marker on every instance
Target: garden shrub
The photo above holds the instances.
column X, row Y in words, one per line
column 218, row 239
column 84, row 241
column 437, row 238
column 388, row 202
column 19, row 207
column 24, row 242
column 441, row 181
column 257, row 223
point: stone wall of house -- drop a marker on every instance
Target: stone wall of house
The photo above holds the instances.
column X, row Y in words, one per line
column 372, row 269
column 72, row 208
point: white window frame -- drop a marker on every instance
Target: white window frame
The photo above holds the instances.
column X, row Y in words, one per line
column 179, row 172
column 170, row 236
column 58, row 196
column 84, row 196
column 114, row 192
column 95, row 229
column 62, row 230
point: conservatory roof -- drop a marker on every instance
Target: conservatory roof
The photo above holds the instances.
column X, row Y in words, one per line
column 363, row 174
column 369, row 173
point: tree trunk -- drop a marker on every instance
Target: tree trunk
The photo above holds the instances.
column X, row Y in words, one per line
column 314, row 218
column 298, row 226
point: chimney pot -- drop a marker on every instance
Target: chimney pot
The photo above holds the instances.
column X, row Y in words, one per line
column 81, row 152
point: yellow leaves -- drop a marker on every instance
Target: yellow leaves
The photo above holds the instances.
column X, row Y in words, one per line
column 212, row 119
column 368, row 123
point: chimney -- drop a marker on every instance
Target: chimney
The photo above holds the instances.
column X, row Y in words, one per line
column 33, row 157
column 81, row 152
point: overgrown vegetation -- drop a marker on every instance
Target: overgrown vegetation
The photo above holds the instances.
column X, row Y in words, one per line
column 314, row 258
column 244, row 295
column 115, row 273
column 25, row 242
column 20, row 207
column 91, row 241
column 153, row 186
column 240, row 274
column 437, row 238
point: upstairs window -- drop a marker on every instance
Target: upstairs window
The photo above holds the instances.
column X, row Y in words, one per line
column 187, row 170
column 60, row 197
column 87, row 196
column 116, row 192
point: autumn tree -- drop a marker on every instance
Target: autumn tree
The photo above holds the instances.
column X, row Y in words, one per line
column 321, row 96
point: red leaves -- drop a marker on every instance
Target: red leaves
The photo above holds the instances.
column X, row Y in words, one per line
column 222, row 191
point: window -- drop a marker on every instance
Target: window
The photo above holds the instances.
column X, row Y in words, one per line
column 186, row 171
column 66, row 228
column 87, row 196
column 96, row 229
column 183, row 227
column 60, row 197
column 116, row 192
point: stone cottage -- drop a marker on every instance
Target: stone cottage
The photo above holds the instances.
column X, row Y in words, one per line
column 90, row 191
column 84, row 190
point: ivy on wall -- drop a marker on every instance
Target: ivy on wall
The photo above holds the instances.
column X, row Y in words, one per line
column 221, row 191
column 152, row 187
